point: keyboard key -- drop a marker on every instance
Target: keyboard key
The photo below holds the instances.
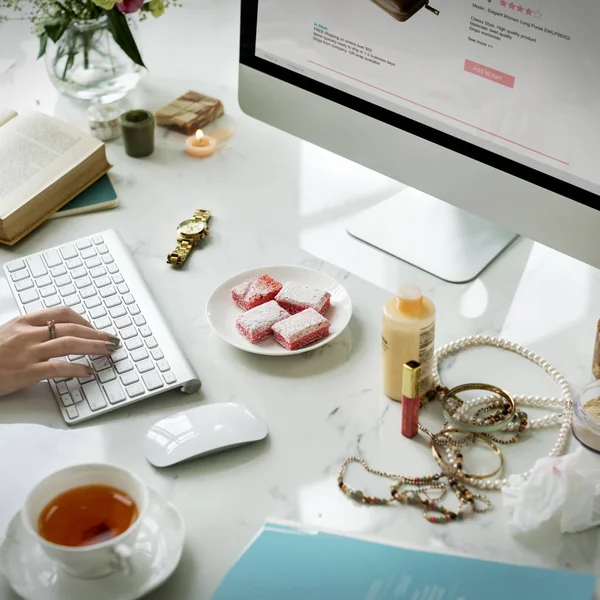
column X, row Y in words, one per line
column 37, row 266
column 128, row 299
column 118, row 278
column 139, row 320
column 110, row 330
column 78, row 272
column 79, row 309
column 106, row 375
column 102, row 322
column 28, row 296
column 43, row 281
column 74, row 263
column 112, row 301
column 101, row 363
column 81, row 360
column 118, row 354
column 103, row 281
column 62, row 388
column 68, row 251
column 83, row 380
column 145, row 331
column 105, row 292
column 52, row 258
column 133, row 343
column 66, row 399
column 156, row 353
column 88, row 292
column 123, row 366
column 47, row 291
column 151, row 342
column 114, row 391
column 20, row 275
column 163, row 365
column 128, row 332
column 93, row 301
column 139, row 354
column 72, row 412
column 34, row 306
column 72, row 300
column 152, row 380
column 145, row 365
column 123, row 288
column 112, row 268
column 97, row 272
column 15, row 265
column 83, row 244
column 135, row 389
column 88, row 253
column 75, row 357
column 66, row 290
column 94, row 395
column 23, row 285
column 134, row 309
column 97, row 312
column 107, row 259
column 62, row 280
column 83, row 282
column 129, row 378
column 169, row 377
column 58, row 271
column 102, row 249
column 94, row 262
column 117, row 311
column 122, row 322
column 52, row 301
column 77, row 395
column 97, row 239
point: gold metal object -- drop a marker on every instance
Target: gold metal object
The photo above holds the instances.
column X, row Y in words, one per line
column 189, row 233
column 51, row 329
column 410, row 379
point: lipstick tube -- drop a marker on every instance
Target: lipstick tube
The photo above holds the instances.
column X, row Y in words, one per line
column 411, row 402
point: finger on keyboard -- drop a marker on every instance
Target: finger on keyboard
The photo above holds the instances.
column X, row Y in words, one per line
column 73, row 331
column 66, row 346
column 61, row 314
column 57, row 369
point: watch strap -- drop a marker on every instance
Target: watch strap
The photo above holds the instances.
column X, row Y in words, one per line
column 184, row 245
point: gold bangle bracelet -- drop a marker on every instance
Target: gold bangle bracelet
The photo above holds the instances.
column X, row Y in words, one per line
column 458, row 469
column 480, row 425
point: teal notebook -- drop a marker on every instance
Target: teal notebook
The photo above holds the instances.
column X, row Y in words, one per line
column 99, row 196
column 289, row 563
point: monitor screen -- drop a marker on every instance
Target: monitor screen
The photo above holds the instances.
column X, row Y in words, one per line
column 514, row 84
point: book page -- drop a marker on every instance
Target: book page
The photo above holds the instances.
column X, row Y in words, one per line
column 35, row 151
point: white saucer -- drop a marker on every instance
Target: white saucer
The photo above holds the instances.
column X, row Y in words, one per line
column 157, row 552
column 222, row 311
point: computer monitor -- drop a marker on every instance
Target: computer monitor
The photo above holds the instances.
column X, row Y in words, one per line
column 491, row 106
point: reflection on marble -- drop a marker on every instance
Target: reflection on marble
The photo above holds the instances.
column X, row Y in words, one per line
column 320, row 407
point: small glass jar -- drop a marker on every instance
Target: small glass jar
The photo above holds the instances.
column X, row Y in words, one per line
column 586, row 428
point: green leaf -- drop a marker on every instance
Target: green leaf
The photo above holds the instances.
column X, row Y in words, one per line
column 117, row 25
column 55, row 28
column 43, row 44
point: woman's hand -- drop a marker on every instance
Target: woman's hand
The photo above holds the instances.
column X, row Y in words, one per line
column 26, row 349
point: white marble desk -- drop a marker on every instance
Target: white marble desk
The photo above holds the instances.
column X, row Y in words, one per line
column 279, row 200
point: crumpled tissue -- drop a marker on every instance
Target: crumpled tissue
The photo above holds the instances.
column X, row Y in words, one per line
column 561, row 492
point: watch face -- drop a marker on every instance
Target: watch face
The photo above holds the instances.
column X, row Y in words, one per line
column 191, row 227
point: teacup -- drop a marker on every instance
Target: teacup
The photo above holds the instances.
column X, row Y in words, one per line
column 96, row 560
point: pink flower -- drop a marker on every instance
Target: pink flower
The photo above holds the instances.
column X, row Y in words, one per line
column 129, row 6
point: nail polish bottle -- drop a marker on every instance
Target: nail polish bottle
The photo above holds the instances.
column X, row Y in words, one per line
column 411, row 401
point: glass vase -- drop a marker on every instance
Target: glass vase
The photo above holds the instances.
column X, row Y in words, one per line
column 87, row 64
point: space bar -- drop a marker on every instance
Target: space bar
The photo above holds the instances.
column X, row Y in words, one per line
column 94, row 395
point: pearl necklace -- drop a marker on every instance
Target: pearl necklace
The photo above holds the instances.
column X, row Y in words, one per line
column 565, row 403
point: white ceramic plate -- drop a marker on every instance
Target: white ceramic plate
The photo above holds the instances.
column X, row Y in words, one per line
column 222, row 311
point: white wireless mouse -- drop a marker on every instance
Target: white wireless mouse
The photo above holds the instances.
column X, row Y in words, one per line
column 200, row 431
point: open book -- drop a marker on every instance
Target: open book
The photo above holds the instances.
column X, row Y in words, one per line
column 44, row 164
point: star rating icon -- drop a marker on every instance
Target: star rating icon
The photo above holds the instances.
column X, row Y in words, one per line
column 537, row 14
column 503, row 2
column 512, row 6
column 529, row 12
column 520, row 8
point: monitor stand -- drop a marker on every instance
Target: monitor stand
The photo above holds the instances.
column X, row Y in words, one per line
column 434, row 236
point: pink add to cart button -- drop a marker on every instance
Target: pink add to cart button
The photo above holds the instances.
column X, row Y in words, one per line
column 488, row 73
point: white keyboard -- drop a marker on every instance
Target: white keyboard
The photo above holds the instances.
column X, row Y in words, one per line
column 97, row 278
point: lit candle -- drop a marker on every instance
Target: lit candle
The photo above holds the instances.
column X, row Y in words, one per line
column 200, row 145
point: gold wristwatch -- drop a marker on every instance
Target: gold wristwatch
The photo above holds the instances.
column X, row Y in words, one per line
column 189, row 233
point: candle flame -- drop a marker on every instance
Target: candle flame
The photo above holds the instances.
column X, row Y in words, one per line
column 199, row 135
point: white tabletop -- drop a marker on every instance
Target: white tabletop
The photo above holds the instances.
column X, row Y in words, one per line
column 276, row 199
